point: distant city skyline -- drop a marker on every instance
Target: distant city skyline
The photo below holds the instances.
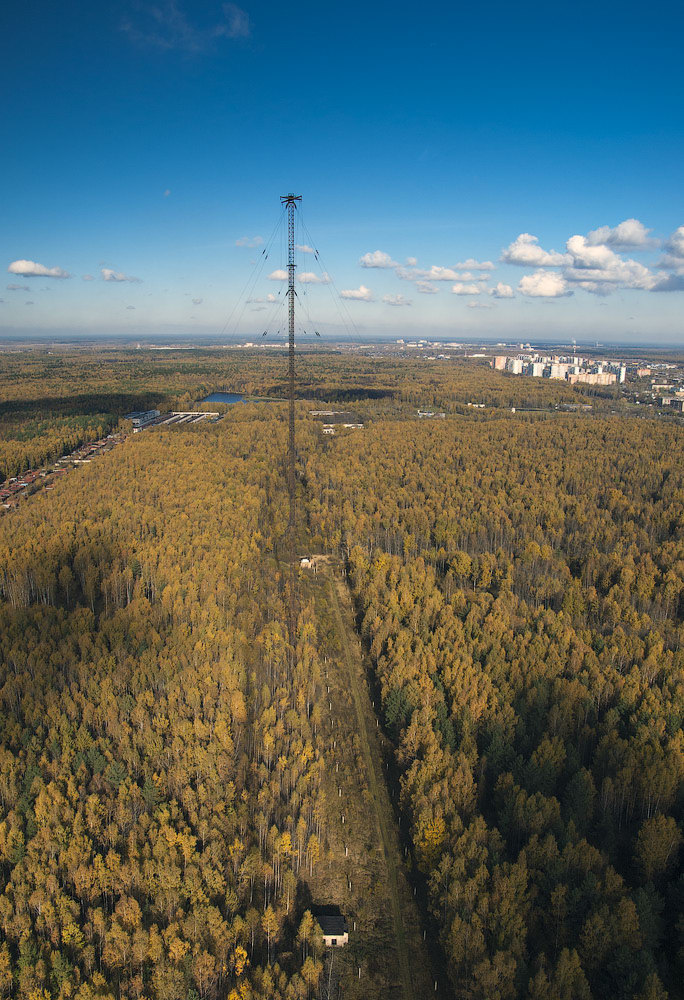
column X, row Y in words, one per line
column 492, row 173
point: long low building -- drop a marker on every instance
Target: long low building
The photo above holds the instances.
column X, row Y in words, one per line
column 188, row 417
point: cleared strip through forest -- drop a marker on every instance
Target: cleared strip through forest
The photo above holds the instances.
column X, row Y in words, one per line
column 405, row 917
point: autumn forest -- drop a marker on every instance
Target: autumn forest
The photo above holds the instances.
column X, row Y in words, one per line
column 180, row 786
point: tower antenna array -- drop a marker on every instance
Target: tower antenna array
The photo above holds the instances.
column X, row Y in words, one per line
column 290, row 201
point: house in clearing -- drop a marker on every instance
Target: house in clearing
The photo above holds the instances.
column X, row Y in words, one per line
column 334, row 926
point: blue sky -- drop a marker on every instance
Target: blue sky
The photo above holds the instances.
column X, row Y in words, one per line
column 149, row 140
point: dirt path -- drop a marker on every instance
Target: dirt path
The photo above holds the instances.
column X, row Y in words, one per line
column 415, row 979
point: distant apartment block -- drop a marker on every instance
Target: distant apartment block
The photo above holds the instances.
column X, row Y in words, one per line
column 593, row 378
column 568, row 369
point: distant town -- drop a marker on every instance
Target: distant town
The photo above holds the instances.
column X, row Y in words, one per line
column 667, row 388
column 559, row 366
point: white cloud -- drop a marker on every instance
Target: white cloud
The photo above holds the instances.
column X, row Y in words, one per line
column 411, row 261
column 304, row 248
column 673, row 260
column 630, row 233
column 476, row 265
column 197, row 302
column 669, row 283
column 249, row 241
column 278, row 275
column 675, row 244
column 480, row 305
column 426, row 288
column 592, row 264
column 18, row 288
column 361, row 294
column 525, row 252
column 669, row 262
column 378, row 258
column 269, row 298
column 87, row 277
column 598, row 269
column 434, row 273
column 501, row 291
column 437, row 273
column 585, row 254
column 460, row 289
column 544, row 284
column 309, row 278
column 31, row 269
column 167, row 192
column 109, row 275
column 396, row 300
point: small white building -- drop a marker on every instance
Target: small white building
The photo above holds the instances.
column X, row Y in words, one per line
column 335, row 930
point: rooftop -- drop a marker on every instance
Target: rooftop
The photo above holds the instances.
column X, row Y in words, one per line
column 331, row 920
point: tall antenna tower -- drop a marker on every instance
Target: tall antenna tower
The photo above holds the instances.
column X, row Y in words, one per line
column 290, row 201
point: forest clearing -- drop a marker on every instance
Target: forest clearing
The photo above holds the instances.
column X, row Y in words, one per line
column 388, row 936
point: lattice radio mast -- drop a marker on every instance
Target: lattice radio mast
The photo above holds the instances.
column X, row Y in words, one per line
column 290, row 200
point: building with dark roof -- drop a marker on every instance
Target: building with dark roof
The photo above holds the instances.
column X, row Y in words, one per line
column 333, row 924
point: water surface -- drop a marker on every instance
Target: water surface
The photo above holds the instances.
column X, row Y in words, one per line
column 223, row 397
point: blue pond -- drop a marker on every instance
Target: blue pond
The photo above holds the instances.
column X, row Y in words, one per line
column 224, row 397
